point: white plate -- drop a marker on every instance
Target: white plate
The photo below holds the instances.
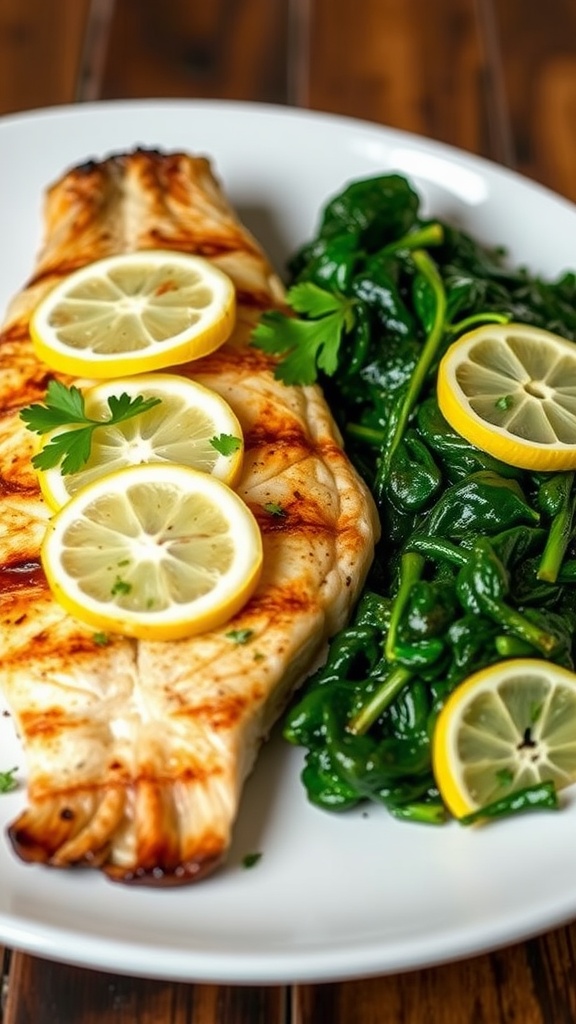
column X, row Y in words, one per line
column 332, row 897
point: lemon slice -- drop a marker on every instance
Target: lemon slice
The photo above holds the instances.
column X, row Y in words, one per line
column 133, row 313
column 510, row 389
column 508, row 726
column 158, row 552
column 180, row 429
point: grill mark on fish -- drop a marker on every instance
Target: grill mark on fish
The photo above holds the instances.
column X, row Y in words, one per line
column 20, row 575
column 263, row 435
column 225, row 361
column 219, row 713
column 10, row 486
column 48, row 723
column 296, row 516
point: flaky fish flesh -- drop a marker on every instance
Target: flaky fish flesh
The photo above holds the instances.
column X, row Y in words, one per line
column 137, row 752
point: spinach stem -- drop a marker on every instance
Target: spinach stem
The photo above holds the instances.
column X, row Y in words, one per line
column 411, row 568
column 427, row 268
column 368, row 434
column 430, row 234
column 478, row 318
column 540, row 797
column 394, row 682
column 438, row 549
column 559, row 535
column 519, row 625
column 424, row 813
column 512, row 647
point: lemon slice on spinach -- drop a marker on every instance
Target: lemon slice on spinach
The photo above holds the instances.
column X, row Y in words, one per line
column 510, row 389
column 507, row 727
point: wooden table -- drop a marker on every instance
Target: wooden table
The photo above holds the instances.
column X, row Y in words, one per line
column 495, row 77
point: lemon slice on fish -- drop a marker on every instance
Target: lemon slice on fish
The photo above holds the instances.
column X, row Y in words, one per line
column 506, row 727
column 133, row 313
column 191, row 426
column 158, row 552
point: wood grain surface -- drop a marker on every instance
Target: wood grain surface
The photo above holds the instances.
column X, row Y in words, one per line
column 41, row 47
column 495, row 77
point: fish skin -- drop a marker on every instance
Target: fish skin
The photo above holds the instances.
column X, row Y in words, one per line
column 137, row 751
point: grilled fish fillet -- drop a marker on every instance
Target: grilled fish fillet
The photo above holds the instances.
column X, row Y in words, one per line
column 137, row 751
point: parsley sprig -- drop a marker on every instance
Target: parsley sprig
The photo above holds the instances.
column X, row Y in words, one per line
column 8, row 781
column 226, row 444
column 310, row 342
column 65, row 407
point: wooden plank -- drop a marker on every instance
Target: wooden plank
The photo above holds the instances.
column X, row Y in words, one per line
column 51, row 993
column 530, row 983
column 410, row 65
column 95, row 50
column 40, row 46
column 537, row 45
column 219, row 50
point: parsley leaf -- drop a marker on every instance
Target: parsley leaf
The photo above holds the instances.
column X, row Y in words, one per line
column 306, row 345
column 273, row 508
column 65, row 407
column 120, row 586
column 7, row 780
column 240, row 636
column 251, row 859
column 226, row 444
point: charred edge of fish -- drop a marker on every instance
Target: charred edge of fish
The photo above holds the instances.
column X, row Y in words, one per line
column 20, row 575
column 29, row 847
column 93, row 164
column 160, row 877
column 33, row 850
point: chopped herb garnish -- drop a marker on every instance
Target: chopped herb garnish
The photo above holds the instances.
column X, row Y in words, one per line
column 240, row 636
column 274, row 509
column 120, row 587
column 258, row 656
column 306, row 345
column 505, row 776
column 250, row 860
column 8, row 781
column 226, row 444
column 101, row 639
column 505, row 402
column 66, row 407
